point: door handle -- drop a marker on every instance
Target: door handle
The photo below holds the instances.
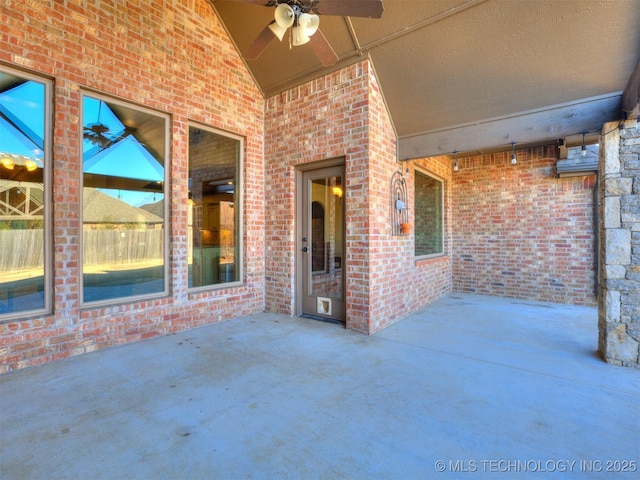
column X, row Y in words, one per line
column 305, row 249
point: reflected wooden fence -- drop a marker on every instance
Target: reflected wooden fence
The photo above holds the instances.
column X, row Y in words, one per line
column 21, row 250
column 24, row 249
column 117, row 247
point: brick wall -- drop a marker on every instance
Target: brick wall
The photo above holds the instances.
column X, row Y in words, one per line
column 521, row 232
column 422, row 281
column 323, row 119
column 169, row 55
column 343, row 115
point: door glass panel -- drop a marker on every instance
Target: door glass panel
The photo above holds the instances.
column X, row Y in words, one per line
column 326, row 238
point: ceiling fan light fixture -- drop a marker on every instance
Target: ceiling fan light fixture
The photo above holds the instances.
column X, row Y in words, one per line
column 284, row 15
column 300, row 36
column 303, row 17
column 277, row 30
column 306, row 25
column 309, row 22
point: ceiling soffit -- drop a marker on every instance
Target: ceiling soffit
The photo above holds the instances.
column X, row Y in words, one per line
column 455, row 72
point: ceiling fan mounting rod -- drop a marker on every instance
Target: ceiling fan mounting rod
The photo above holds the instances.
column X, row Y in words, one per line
column 305, row 6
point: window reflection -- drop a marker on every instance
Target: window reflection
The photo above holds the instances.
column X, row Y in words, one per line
column 326, row 237
column 429, row 232
column 213, row 208
column 22, row 194
column 123, row 201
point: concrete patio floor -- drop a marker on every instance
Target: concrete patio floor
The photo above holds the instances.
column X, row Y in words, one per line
column 473, row 384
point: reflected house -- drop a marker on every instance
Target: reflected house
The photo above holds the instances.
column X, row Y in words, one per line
column 101, row 211
column 122, row 247
column 117, row 234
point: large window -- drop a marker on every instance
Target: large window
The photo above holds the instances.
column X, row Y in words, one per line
column 429, row 215
column 214, row 208
column 24, row 192
column 123, row 201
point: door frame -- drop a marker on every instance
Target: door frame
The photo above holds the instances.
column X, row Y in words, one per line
column 299, row 206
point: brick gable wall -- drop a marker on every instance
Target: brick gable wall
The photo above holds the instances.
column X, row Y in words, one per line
column 172, row 56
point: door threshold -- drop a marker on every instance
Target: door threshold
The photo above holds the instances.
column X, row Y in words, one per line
column 335, row 321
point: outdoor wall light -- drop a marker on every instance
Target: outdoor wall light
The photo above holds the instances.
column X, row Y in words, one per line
column 514, row 158
column 583, row 150
column 455, row 160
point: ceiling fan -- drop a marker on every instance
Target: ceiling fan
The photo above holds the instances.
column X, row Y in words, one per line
column 99, row 135
column 303, row 17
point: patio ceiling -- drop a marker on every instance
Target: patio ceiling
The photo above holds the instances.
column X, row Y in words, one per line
column 470, row 75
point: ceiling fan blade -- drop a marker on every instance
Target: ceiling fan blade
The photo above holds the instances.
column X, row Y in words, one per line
column 323, row 50
column 351, row 8
column 259, row 44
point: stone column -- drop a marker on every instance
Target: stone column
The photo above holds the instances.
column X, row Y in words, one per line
column 619, row 255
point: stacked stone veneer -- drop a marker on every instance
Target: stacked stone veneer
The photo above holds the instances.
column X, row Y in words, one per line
column 619, row 269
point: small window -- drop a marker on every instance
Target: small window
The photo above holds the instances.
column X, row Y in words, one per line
column 24, row 194
column 214, row 208
column 124, row 245
column 429, row 215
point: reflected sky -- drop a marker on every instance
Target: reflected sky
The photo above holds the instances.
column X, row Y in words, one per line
column 111, row 150
column 22, row 120
column 22, row 131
